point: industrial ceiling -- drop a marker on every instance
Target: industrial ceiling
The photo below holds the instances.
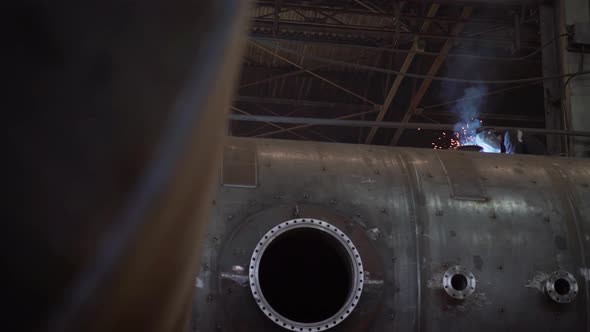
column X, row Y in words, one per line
column 389, row 61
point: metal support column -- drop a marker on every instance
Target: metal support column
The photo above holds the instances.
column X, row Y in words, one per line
column 551, row 67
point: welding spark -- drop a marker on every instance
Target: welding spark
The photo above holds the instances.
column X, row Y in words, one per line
column 464, row 136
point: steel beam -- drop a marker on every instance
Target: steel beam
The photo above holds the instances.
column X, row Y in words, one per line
column 361, row 107
column 488, row 116
column 376, row 9
column 272, row 124
column 352, row 11
column 298, row 25
column 322, row 136
column 330, row 16
column 271, row 14
column 387, row 124
column 417, row 99
column 309, row 125
column 251, row 133
column 386, row 49
column 312, row 73
column 399, row 78
column 275, row 26
column 300, row 71
column 434, row 77
column 304, row 103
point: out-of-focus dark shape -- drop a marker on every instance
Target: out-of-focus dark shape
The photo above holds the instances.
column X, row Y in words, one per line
column 114, row 114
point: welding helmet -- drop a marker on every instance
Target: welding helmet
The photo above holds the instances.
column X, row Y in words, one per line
column 488, row 141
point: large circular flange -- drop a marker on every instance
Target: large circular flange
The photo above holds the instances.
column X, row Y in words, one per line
column 356, row 268
column 458, row 282
column 561, row 287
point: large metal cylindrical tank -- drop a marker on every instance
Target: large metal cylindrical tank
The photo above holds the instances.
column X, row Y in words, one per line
column 321, row 236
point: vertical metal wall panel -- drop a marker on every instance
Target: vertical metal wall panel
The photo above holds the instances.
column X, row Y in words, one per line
column 551, row 64
column 578, row 89
column 395, row 204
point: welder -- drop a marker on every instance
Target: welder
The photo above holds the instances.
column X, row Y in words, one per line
column 510, row 142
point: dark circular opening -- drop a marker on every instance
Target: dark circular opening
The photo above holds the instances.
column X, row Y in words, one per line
column 459, row 282
column 562, row 286
column 305, row 275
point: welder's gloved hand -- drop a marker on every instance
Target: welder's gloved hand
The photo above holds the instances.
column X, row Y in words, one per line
column 489, row 141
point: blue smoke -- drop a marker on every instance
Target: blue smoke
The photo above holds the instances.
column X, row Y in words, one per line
column 468, row 112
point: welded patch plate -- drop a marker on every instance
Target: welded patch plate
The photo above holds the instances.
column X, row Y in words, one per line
column 464, row 180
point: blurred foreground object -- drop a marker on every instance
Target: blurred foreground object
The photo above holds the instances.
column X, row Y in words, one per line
column 115, row 118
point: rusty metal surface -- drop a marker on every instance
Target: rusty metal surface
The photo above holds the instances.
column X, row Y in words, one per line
column 394, row 203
